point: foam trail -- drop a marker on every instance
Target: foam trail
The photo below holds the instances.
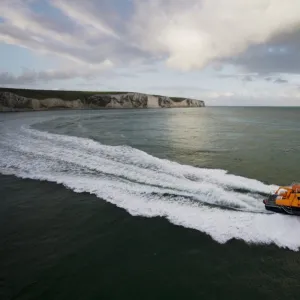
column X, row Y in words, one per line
column 203, row 199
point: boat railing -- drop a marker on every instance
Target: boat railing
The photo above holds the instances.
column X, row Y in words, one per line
column 297, row 184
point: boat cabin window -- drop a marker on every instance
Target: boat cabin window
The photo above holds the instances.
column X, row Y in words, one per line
column 287, row 193
column 283, row 193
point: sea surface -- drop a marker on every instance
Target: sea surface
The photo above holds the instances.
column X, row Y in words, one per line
column 148, row 204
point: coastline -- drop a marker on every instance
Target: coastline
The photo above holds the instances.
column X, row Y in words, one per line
column 17, row 101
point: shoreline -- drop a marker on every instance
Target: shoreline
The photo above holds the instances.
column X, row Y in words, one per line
column 31, row 100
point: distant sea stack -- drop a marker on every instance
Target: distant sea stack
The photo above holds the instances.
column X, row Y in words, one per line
column 36, row 100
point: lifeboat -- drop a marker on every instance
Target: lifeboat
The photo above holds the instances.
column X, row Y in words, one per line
column 285, row 200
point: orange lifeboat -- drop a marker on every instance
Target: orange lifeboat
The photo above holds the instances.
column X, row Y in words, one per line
column 285, row 200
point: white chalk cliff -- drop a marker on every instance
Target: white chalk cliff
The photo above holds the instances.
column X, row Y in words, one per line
column 12, row 102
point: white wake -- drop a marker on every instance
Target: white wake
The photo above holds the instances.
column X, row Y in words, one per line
column 222, row 205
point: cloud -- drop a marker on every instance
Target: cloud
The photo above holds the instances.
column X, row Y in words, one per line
column 20, row 19
column 194, row 35
column 29, row 76
column 254, row 77
column 85, row 13
column 259, row 36
column 280, row 80
column 276, row 80
column 243, row 77
column 268, row 78
column 248, row 78
column 78, row 34
column 7, row 78
column 280, row 55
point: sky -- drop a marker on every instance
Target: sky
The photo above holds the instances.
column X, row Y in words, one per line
column 225, row 52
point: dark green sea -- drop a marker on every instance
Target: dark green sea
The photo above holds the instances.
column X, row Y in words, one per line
column 148, row 204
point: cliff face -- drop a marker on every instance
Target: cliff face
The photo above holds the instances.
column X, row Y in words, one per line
column 13, row 102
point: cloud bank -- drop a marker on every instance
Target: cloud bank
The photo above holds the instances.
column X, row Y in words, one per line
column 192, row 36
column 261, row 36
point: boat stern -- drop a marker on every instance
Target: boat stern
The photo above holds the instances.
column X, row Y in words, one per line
column 270, row 203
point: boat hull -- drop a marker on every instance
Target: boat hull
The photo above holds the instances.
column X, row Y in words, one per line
column 282, row 209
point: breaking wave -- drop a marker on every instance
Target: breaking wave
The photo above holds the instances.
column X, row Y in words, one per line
column 223, row 205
